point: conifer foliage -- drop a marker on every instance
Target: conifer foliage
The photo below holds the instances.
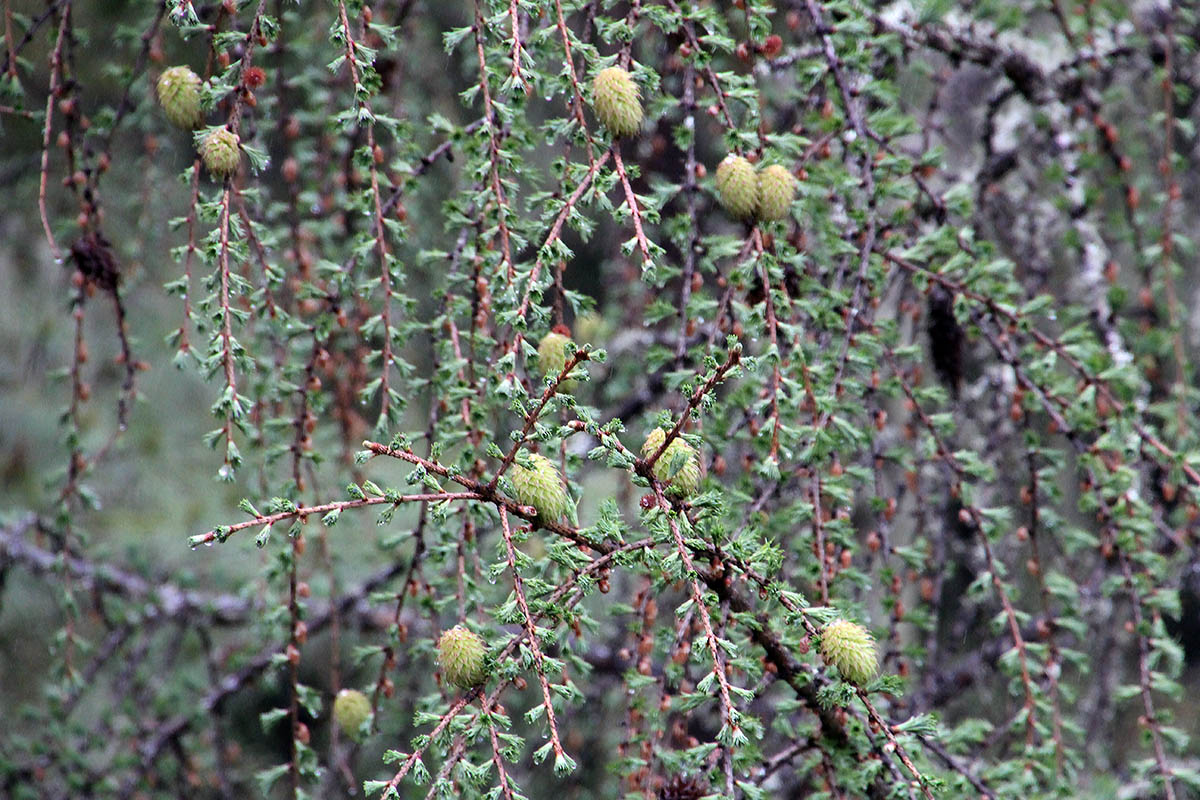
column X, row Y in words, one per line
column 597, row 399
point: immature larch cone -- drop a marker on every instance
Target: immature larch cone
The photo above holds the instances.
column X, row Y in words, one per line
column 737, row 186
column 776, row 190
column 179, row 94
column 617, row 101
column 540, row 487
column 350, row 710
column 654, row 440
column 462, row 655
column 221, row 152
column 851, row 648
column 679, row 465
column 552, row 357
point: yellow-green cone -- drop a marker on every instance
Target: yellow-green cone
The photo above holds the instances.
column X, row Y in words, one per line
column 351, row 708
column 851, row 648
column 462, row 655
column 737, row 186
column 179, row 94
column 590, row 327
column 617, row 101
column 776, row 190
column 653, row 441
column 221, row 152
column 540, row 487
column 679, row 465
column 552, row 357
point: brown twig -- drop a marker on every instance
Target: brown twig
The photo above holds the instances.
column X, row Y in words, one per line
column 631, row 201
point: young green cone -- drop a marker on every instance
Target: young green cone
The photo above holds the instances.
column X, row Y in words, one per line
column 350, row 710
column 221, row 152
column 851, row 648
column 552, row 357
column 179, row 94
column 462, row 655
column 679, row 465
column 737, row 186
column 590, row 327
column 776, row 190
column 653, row 441
column 617, row 101
column 540, row 487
